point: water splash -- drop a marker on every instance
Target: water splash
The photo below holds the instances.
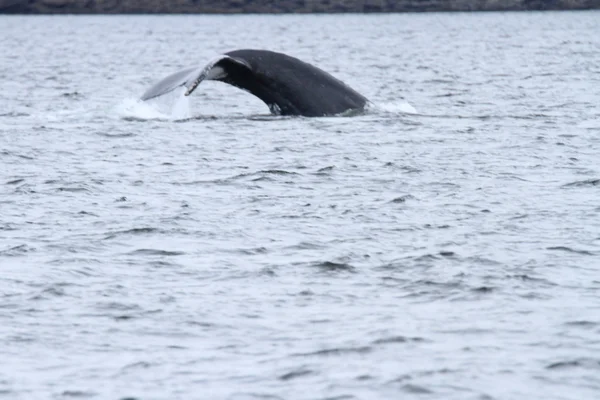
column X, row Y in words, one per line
column 181, row 105
column 172, row 106
column 134, row 109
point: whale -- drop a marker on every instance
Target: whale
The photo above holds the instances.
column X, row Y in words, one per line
column 287, row 85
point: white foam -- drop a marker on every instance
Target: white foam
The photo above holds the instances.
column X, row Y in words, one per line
column 401, row 107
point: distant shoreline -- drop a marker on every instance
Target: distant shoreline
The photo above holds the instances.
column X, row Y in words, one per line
column 284, row 6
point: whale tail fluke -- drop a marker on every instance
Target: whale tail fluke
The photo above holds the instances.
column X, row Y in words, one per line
column 190, row 78
column 285, row 84
column 170, row 83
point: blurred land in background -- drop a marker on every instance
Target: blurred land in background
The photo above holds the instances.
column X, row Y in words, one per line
column 282, row 6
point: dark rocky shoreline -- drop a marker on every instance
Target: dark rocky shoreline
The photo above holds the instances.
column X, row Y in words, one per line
column 281, row 6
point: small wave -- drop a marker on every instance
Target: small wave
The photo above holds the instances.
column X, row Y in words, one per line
column 330, row 266
column 250, row 396
column 442, row 284
column 581, row 362
column 340, row 397
column 483, row 289
column 83, row 212
column 258, row 176
column 16, row 251
column 295, row 374
column 79, row 261
column 253, row 176
column 338, row 351
column 587, row 182
column 405, row 168
column 531, row 279
column 163, row 264
column 416, row 389
column 398, row 339
column 139, row 230
column 582, row 324
column 325, row 170
column 11, row 154
column 253, row 251
column 117, row 306
column 479, row 260
column 134, row 231
column 402, row 199
column 137, row 365
column 14, row 114
column 570, row 250
column 307, row 246
column 277, row 172
column 73, row 95
column 50, row 292
column 155, row 252
column 115, row 135
column 263, row 179
column 268, row 117
column 73, row 189
column 202, row 324
column 78, row 394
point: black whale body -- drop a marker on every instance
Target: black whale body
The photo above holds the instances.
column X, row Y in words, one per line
column 286, row 84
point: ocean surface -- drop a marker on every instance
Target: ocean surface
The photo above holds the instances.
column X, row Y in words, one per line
column 445, row 244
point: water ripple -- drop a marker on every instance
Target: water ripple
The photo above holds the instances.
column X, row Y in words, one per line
column 337, row 351
column 156, row 252
column 223, row 252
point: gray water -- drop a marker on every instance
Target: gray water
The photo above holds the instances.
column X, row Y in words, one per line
column 446, row 252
